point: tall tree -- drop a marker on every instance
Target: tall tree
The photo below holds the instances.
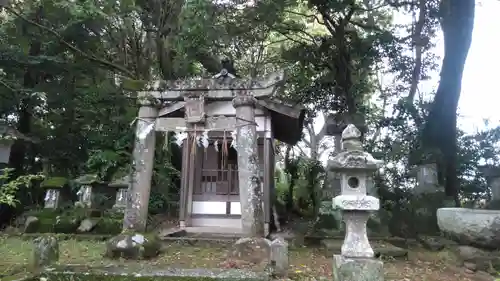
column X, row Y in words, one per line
column 440, row 132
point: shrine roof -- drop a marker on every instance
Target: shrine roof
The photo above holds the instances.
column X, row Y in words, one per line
column 287, row 120
column 215, row 88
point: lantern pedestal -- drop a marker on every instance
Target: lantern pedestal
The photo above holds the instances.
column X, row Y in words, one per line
column 356, row 212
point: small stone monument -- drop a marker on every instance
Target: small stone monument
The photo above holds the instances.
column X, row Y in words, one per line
column 356, row 261
column 45, row 251
column 492, row 175
column 279, row 257
column 427, row 179
column 121, row 194
column 51, row 200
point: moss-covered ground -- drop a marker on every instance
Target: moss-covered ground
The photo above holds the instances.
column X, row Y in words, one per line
column 306, row 263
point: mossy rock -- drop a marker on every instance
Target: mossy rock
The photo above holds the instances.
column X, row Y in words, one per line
column 66, row 225
column 39, row 226
column 44, row 222
column 133, row 246
column 54, row 183
column 53, row 225
column 83, row 213
column 108, row 226
column 68, row 221
column 60, row 221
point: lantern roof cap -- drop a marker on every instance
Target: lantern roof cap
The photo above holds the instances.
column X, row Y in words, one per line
column 353, row 157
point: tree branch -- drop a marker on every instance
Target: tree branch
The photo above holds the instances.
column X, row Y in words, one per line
column 321, row 134
column 308, row 143
column 3, row 83
column 301, row 151
column 418, row 44
column 71, row 46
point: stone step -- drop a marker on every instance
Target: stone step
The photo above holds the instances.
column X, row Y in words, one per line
column 193, row 241
column 381, row 248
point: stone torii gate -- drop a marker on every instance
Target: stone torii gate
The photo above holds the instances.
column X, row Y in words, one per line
column 192, row 94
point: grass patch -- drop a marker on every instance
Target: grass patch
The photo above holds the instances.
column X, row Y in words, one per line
column 305, row 263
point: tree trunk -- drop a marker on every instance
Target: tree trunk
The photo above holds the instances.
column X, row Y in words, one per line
column 30, row 79
column 289, row 196
column 440, row 131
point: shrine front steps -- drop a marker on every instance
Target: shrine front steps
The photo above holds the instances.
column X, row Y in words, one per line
column 382, row 249
column 188, row 237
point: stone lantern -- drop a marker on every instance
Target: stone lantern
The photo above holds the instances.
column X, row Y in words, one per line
column 55, row 188
column 93, row 193
column 355, row 166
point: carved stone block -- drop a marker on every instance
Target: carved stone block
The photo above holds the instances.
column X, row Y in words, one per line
column 51, row 199
column 195, row 110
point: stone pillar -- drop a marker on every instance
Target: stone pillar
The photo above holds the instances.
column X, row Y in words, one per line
column 184, row 184
column 268, row 167
column 52, row 197
column 356, row 261
column 279, row 257
column 252, row 217
column 142, row 169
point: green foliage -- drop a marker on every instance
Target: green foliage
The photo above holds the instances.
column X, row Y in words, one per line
column 9, row 188
column 71, row 70
column 326, row 208
column 106, row 162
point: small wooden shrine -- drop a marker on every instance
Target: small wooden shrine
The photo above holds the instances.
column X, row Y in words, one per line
column 226, row 127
